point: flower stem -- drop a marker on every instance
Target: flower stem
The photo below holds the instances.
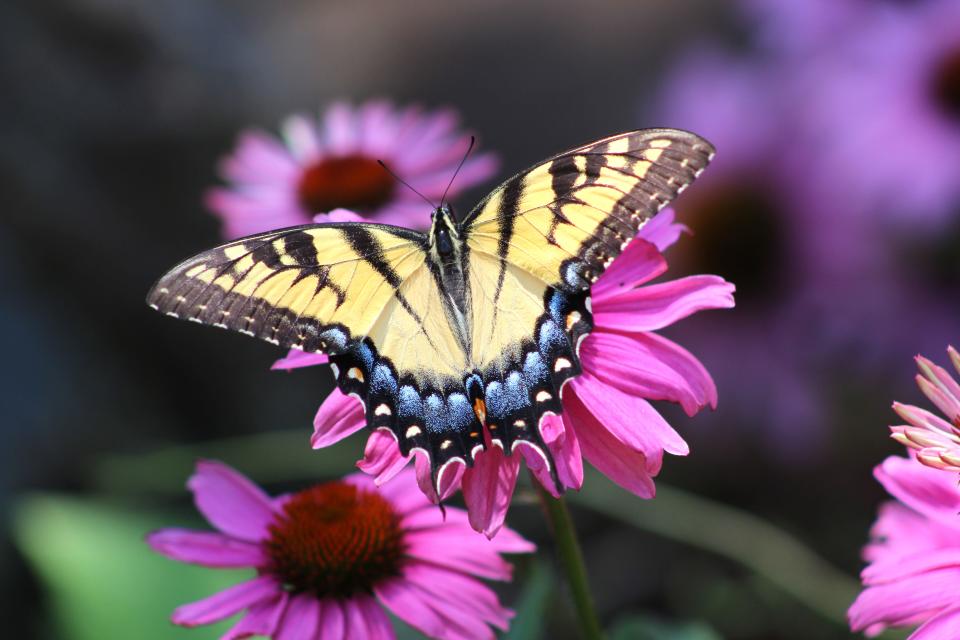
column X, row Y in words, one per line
column 571, row 559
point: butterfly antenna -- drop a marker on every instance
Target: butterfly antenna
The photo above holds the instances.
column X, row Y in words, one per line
column 473, row 139
column 405, row 183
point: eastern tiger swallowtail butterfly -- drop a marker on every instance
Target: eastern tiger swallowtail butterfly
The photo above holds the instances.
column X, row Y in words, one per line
column 475, row 325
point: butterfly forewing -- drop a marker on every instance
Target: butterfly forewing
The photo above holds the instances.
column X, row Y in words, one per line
column 586, row 203
column 313, row 287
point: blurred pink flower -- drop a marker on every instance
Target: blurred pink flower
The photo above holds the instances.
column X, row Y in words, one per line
column 319, row 166
column 914, row 572
column 878, row 94
column 606, row 417
column 936, row 440
column 332, row 558
column 769, row 216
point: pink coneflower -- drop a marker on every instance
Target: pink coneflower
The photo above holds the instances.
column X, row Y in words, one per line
column 936, row 440
column 914, row 573
column 331, row 560
column 321, row 165
column 607, row 417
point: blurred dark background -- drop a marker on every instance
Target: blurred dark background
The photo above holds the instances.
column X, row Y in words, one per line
column 113, row 118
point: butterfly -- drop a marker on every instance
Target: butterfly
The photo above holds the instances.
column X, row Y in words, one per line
column 463, row 337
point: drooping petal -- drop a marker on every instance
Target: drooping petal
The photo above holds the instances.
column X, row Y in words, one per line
column 226, row 603
column 509, row 541
column 943, row 626
column 207, row 548
column 648, row 366
column 452, row 622
column 296, row 359
column 230, row 502
column 630, row 419
column 332, row 620
column 462, row 551
column 639, row 263
column 462, row 597
column 364, row 612
column 901, row 532
column 565, row 451
column 659, row 305
column 405, row 603
column 381, row 457
column 339, row 416
column 897, row 603
column 262, row 618
column 891, row 568
column 625, row 466
column 662, row 231
column 449, row 481
column 301, row 621
column 488, row 487
column 930, row 492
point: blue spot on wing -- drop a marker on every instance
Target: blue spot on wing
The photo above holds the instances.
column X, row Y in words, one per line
column 507, row 397
column 556, row 305
column 365, row 354
column 433, row 413
column 459, row 412
column 409, row 404
column 535, row 372
column 516, row 392
column 551, row 338
column 382, row 381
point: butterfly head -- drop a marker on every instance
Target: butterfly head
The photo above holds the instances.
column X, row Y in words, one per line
column 444, row 232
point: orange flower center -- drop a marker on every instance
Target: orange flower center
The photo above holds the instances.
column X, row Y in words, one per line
column 353, row 182
column 336, row 540
column 946, row 84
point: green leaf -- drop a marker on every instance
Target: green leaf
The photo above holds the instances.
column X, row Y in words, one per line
column 101, row 578
column 650, row 628
column 532, row 607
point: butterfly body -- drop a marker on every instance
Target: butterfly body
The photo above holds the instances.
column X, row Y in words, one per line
column 464, row 337
column 448, row 257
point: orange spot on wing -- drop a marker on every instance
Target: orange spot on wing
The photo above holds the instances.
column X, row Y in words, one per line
column 480, row 409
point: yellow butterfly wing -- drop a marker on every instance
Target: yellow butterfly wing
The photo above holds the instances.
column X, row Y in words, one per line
column 538, row 242
column 312, row 287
